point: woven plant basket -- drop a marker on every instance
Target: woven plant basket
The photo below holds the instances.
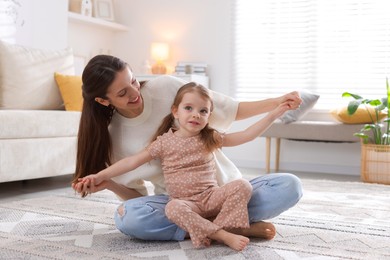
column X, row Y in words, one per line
column 375, row 163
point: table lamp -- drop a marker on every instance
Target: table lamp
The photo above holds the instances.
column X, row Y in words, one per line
column 159, row 53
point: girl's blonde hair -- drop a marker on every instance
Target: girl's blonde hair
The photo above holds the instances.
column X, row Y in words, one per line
column 207, row 134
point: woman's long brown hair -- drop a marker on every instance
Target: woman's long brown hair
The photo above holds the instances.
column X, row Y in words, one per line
column 207, row 134
column 94, row 142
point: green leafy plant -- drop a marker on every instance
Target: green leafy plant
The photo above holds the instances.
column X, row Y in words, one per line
column 380, row 132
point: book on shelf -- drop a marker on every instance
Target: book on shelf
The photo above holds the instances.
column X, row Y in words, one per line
column 182, row 73
column 191, row 68
column 194, row 64
column 194, row 69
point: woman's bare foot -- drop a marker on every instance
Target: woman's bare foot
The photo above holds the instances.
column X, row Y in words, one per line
column 236, row 242
column 259, row 229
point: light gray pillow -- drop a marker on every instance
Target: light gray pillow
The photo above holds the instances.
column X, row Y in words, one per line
column 308, row 101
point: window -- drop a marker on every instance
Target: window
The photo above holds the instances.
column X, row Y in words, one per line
column 324, row 46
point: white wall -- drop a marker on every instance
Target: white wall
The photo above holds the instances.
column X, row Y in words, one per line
column 88, row 41
column 196, row 31
column 34, row 23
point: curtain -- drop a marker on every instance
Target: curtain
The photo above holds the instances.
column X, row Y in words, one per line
column 324, row 46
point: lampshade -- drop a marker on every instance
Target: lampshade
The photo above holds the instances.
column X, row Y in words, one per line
column 160, row 53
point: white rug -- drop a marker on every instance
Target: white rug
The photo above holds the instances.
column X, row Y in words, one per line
column 334, row 220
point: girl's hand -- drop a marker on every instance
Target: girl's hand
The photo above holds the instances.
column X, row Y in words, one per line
column 293, row 99
column 281, row 109
column 84, row 186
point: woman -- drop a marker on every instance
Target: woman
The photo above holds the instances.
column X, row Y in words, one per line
column 119, row 118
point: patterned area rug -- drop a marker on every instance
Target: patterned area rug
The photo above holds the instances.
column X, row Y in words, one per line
column 334, row 220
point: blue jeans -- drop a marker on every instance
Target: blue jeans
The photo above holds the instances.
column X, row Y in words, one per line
column 144, row 217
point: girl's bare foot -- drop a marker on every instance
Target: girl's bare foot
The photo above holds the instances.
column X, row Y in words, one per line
column 236, row 242
column 259, row 229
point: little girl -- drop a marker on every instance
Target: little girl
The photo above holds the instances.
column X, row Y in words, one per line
column 185, row 143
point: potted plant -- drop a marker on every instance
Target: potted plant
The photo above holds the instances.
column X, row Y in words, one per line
column 375, row 154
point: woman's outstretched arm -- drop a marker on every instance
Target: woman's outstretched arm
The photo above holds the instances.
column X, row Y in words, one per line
column 254, row 108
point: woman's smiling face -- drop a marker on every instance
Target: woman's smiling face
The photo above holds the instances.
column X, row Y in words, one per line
column 124, row 94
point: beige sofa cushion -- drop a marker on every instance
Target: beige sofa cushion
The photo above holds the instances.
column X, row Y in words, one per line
column 21, row 124
column 27, row 76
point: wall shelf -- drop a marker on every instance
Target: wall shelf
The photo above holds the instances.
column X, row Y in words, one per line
column 78, row 18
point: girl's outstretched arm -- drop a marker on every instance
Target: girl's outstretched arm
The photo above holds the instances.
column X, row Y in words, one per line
column 253, row 131
column 120, row 167
column 120, row 190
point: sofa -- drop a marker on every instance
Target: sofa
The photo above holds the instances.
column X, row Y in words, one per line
column 38, row 126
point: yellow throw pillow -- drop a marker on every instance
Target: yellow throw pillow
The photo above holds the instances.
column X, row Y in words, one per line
column 70, row 89
column 361, row 116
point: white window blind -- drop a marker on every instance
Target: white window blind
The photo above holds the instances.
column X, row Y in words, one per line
column 326, row 46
